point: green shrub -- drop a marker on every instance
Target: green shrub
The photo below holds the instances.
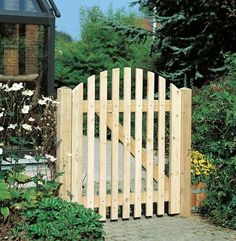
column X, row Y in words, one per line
column 56, row 219
column 214, row 116
column 220, row 204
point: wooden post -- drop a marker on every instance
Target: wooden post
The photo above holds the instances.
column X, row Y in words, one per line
column 149, row 141
column 126, row 143
column 185, row 165
column 77, row 143
column 115, row 143
column 64, row 140
column 161, row 146
column 103, row 145
column 175, row 150
column 90, row 133
column 138, row 142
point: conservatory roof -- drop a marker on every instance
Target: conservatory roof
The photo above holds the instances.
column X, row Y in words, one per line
column 28, row 11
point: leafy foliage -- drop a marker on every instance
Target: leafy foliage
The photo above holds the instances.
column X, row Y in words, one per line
column 214, row 116
column 220, row 204
column 15, row 196
column 27, row 126
column 100, row 48
column 191, row 38
column 214, row 133
column 56, row 219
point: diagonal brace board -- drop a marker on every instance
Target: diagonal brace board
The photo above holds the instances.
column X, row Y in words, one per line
column 132, row 150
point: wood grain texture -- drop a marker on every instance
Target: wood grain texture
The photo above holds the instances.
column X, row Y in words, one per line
column 77, row 143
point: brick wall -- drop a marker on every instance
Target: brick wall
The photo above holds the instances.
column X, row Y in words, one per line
column 11, row 53
column 11, row 61
column 31, row 49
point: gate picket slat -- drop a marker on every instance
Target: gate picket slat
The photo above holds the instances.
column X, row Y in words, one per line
column 103, row 143
column 149, row 145
column 138, row 141
column 77, row 143
column 64, row 96
column 126, row 144
column 90, row 134
column 175, row 149
column 161, row 145
column 115, row 143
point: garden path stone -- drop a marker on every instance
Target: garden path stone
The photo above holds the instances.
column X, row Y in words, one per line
column 167, row 228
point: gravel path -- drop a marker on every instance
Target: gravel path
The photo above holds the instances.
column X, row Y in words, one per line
column 166, row 228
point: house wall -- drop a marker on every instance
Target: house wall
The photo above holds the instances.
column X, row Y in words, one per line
column 12, row 55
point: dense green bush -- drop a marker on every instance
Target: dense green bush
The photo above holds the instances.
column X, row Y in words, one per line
column 214, row 133
column 56, row 219
column 220, row 204
column 214, row 116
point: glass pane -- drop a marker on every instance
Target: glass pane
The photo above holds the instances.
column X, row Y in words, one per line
column 11, row 5
column 21, row 5
column 31, row 6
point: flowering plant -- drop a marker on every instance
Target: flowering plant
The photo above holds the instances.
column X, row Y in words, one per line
column 201, row 167
column 27, row 131
column 25, row 123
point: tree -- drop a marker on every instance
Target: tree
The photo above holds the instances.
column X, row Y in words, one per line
column 100, row 48
column 192, row 38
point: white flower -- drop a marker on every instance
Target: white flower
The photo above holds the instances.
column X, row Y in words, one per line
column 1, row 114
column 1, row 151
column 25, row 109
column 1, row 128
column 6, row 88
column 28, row 157
column 28, row 92
column 42, row 102
column 11, row 126
column 27, row 127
column 51, row 158
column 16, row 87
column 38, row 128
column 31, row 119
column 47, row 98
column 1, row 144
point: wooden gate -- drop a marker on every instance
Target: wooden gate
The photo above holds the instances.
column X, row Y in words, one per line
column 148, row 177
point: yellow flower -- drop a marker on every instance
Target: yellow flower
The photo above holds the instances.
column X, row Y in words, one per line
column 198, row 173
column 195, row 161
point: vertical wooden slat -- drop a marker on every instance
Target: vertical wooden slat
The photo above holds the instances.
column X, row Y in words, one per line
column 77, row 143
column 161, row 145
column 126, row 144
column 186, row 118
column 115, row 143
column 138, row 141
column 149, row 145
column 90, row 133
column 103, row 143
column 175, row 149
column 64, row 140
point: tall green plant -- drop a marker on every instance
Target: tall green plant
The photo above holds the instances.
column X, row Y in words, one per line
column 214, row 116
column 191, row 38
column 100, row 48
